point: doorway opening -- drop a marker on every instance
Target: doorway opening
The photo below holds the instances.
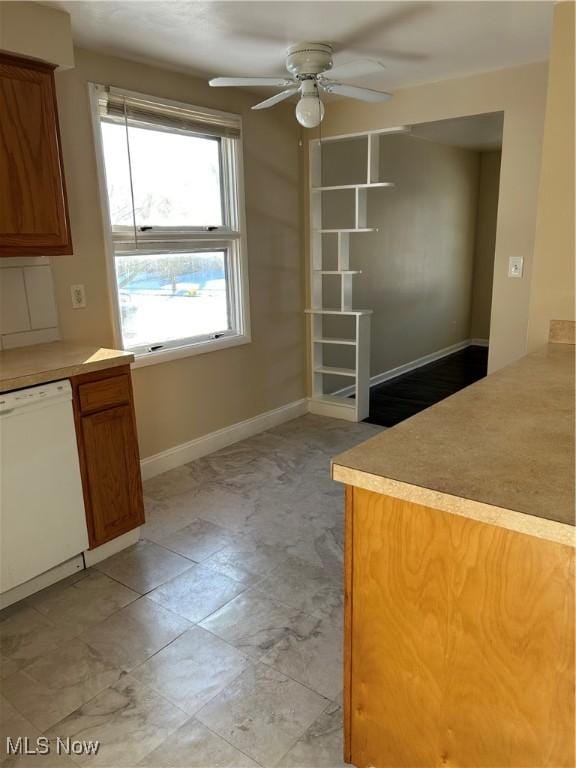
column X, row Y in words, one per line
column 427, row 269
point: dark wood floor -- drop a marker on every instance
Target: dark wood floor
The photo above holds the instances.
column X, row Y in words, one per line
column 402, row 397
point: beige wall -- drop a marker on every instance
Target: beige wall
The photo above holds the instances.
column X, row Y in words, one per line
column 552, row 296
column 184, row 399
column 417, row 268
column 29, row 29
column 520, row 93
column 485, row 244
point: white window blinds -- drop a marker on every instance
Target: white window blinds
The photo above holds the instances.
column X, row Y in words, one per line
column 115, row 105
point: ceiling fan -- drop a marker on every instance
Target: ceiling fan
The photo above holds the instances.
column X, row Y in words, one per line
column 307, row 64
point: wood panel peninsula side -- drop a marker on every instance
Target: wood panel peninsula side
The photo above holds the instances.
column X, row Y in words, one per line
column 460, row 540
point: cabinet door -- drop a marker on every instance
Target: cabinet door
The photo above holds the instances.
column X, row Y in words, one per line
column 459, row 641
column 113, row 473
column 33, row 207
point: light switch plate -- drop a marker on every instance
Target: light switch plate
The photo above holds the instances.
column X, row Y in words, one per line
column 78, row 296
column 515, row 266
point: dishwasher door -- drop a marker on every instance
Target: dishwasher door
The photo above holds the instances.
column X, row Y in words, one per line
column 42, row 519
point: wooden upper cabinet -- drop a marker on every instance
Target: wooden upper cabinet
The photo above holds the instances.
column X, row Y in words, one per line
column 33, row 206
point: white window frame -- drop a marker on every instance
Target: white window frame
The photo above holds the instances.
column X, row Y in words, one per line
column 231, row 236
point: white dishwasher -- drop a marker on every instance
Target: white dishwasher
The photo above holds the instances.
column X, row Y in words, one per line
column 42, row 520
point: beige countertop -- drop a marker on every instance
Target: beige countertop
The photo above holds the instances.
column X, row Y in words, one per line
column 28, row 366
column 500, row 451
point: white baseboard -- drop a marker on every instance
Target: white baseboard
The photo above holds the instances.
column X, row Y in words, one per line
column 221, row 438
column 344, row 410
column 93, row 556
column 379, row 378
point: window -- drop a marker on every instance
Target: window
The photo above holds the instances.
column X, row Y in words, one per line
column 175, row 210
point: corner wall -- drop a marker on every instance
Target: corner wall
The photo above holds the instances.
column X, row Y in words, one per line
column 485, row 244
column 30, row 29
column 552, row 294
column 520, row 93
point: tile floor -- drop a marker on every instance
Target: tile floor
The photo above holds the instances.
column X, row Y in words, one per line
column 216, row 640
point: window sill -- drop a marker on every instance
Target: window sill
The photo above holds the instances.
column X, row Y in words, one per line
column 165, row 356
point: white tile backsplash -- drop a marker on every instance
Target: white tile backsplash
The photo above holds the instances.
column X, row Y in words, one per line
column 40, row 294
column 27, row 305
column 28, row 338
column 14, row 316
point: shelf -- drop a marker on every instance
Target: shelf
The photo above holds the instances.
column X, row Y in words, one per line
column 338, row 271
column 338, row 311
column 354, row 229
column 344, row 342
column 372, row 185
column 331, row 370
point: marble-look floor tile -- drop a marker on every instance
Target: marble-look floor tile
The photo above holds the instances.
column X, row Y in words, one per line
column 13, row 726
column 252, row 623
column 246, row 560
column 298, row 528
column 172, row 484
column 136, row 632
column 273, row 495
column 302, row 585
column 128, row 719
column 272, row 525
column 311, row 653
column 163, row 518
column 196, row 593
column 198, row 540
column 262, row 713
column 7, row 667
column 237, row 465
column 58, row 683
column 194, row 745
column 193, row 669
column 53, row 759
column 144, row 566
column 223, row 507
column 26, row 636
column 84, row 603
column 322, row 746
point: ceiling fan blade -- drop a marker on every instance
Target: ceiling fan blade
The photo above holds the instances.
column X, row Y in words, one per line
column 354, row 91
column 276, row 99
column 226, row 82
column 357, row 68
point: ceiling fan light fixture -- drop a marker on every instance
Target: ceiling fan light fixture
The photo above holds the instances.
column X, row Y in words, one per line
column 310, row 111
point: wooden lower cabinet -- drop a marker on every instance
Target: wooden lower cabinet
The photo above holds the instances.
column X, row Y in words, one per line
column 109, row 459
column 459, row 645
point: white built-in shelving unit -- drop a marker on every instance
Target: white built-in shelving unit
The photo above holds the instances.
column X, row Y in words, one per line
column 344, row 407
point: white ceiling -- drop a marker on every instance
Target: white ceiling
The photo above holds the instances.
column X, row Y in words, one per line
column 418, row 41
column 478, row 132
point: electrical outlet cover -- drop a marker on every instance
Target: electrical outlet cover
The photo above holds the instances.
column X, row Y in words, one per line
column 78, row 296
column 515, row 266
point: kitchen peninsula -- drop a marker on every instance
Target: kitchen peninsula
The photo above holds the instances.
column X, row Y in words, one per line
column 460, row 540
